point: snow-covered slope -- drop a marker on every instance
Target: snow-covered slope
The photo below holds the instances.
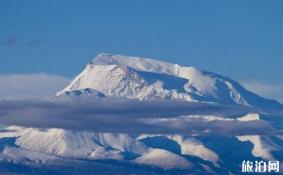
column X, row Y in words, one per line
column 74, row 144
column 143, row 78
column 164, row 159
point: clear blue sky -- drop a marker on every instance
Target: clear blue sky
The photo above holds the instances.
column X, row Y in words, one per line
column 242, row 39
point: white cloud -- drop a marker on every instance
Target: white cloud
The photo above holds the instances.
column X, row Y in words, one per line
column 271, row 91
column 23, row 86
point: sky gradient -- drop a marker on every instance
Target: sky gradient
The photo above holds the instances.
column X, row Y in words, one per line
column 241, row 39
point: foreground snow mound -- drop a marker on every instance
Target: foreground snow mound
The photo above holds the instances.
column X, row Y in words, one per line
column 192, row 146
column 142, row 78
column 164, row 159
column 75, row 144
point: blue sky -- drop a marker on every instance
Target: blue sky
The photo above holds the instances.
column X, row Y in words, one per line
column 241, row 39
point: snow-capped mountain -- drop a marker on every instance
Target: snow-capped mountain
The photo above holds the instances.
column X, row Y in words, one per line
column 55, row 150
column 143, row 78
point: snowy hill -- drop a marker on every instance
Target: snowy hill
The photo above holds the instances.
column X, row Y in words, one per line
column 143, row 78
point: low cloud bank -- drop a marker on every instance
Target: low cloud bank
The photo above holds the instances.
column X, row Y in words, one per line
column 27, row 86
column 130, row 116
column 272, row 91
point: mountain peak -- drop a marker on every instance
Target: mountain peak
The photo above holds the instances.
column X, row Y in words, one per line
column 138, row 63
column 146, row 78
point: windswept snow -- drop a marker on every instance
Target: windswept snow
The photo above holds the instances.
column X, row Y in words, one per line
column 192, row 146
column 260, row 147
column 249, row 117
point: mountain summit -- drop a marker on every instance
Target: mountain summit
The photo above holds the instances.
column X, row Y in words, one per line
column 144, row 78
